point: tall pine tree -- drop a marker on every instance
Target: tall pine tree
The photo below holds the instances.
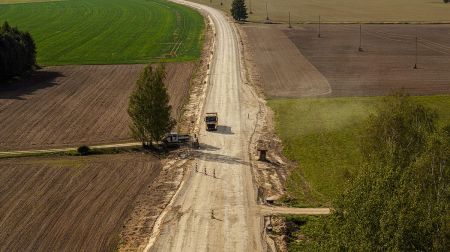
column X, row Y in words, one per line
column 149, row 107
column 239, row 10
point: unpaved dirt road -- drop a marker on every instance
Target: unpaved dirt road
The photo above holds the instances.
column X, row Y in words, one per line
column 219, row 213
column 273, row 210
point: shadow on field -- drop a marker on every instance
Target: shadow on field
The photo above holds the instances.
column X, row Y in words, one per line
column 28, row 85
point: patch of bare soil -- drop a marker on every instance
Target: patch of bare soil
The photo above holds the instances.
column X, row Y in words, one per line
column 277, row 229
column 283, row 70
column 151, row 202
column 386, row 63
column 73, row 105
column 269, row 175
column 72, row 203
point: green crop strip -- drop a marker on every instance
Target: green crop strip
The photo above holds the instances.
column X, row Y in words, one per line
column 109, row 31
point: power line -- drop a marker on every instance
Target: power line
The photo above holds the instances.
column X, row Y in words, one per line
column 318, row 35
column 360, row 38
column 415, row 64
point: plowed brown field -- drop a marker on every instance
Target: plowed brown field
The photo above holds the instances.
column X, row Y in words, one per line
column 70, row 203
column 73, row 105
column 385, row 65
column 283, row 70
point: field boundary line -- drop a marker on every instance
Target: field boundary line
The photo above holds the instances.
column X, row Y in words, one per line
column 19, row 153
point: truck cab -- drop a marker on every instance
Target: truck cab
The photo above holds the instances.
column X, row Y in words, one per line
column 212, row 121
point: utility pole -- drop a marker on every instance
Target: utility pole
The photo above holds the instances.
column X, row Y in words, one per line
column 251, row 11
column 415, row 64
column 319, row 28
column 360, row 38
column 267, row 13
column 290, row 26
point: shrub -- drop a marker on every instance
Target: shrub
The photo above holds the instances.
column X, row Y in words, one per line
column 84, row 150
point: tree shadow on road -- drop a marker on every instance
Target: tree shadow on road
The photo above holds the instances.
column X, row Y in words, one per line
column 208, row 147
column 222, row 159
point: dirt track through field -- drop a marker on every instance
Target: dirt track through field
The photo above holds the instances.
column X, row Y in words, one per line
column 386, row 63
column 284, row 71
column 216, row 209
column 74, row 105
column 70, row 203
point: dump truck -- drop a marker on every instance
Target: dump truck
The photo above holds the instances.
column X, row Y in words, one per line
column 212, row 120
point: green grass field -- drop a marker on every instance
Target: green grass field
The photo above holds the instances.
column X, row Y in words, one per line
column 108, row 31
column 322, row 135
column 25, row 1
column 343, row 10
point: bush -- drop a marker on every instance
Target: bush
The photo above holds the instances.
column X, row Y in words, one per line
column 84, row 150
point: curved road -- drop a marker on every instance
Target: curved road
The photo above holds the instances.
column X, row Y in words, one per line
column 219, row 213
column 215, row 208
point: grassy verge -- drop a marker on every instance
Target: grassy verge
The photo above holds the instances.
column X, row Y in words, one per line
column 109, row 31
column 25, row 1
column 74, row 152
column 322, row 136
column 301, row 231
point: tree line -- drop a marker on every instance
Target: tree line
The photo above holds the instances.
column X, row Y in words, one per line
column 400, row 199
column 17, row 52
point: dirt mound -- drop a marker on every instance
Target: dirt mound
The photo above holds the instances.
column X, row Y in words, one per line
column 71, row 203
column 73, row 105
column 283, row 70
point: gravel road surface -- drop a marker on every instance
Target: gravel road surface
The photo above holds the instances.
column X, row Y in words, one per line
column 216, row 208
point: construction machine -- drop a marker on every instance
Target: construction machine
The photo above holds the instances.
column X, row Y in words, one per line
column 175, row 139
